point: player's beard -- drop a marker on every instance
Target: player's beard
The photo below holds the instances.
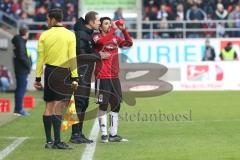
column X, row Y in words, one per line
column 108, row 30
column 105, row 31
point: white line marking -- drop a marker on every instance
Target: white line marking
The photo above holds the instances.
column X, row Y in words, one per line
column 90, row 148
column 12, row 147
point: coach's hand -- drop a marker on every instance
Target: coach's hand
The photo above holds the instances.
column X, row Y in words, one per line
column 104, row 55
column 74, row 85
column 38, row 85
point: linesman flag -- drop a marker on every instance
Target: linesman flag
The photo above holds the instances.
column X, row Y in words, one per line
column 69, row 115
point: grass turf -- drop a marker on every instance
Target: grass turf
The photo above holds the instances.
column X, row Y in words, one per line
column 211, row 131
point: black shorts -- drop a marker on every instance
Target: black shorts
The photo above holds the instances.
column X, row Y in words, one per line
column 107, row 91
column 56, row 84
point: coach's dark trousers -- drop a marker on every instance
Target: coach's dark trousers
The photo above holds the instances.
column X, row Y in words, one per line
column 81, row 101
column 21, row 81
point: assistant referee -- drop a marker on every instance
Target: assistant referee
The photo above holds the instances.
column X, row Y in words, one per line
column 57, row 51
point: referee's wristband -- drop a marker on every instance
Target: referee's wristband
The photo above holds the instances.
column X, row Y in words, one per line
column 38, row 79
column 74, row 79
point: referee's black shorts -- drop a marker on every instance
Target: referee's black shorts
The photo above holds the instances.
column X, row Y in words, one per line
column 108, row 91
column 56, row 84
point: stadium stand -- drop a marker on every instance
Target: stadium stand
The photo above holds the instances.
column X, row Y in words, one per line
column 217, row 14
column 160, row 18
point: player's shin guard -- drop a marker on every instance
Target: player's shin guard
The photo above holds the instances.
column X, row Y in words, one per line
column 102, row 118
column 113, row 123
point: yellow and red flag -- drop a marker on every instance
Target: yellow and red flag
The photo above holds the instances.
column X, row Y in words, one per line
column 70, row 115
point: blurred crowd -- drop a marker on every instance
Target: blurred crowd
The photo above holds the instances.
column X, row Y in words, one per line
column 31, row 10
column 195, row 10
column 201, row 12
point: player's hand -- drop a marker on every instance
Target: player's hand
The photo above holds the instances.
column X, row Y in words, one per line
column 104, row 55
column 114, row 25
column 74, row 85
column 38, row 85
column 122, row 27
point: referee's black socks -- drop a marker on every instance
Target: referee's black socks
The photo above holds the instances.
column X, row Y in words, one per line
column 56, row 121
column 47, row 121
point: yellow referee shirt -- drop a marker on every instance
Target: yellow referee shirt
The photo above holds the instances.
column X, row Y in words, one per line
column 56, row 47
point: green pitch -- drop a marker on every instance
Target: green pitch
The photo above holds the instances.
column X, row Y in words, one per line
column 176, row 126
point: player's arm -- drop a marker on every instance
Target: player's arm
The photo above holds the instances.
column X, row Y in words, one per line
column 127, row 41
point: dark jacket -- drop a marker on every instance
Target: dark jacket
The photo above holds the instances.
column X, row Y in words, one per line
column 209, row 56
column 22, row 62
column 86, row 55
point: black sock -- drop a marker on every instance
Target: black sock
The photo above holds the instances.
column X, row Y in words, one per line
column 80, row 127
column 75, row 129
column 47, row 121
column 81, row 117
column 57, row 120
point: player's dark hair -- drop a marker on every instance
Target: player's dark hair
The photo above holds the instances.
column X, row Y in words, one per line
column 104, row 18
column 56, row 13
column 90, row 16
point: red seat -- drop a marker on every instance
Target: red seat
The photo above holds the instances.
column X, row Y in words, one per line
column 29, row 102
column 5, row 104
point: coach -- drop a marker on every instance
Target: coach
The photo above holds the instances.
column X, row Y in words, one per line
column 86, row 58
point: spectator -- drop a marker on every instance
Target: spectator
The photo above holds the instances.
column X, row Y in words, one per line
column 220, row 13
column 178, row 27
column 17, row 9
column 208, row 7
column 25, row 19
column 162, row 13
column 228, row 53
column 118, row 14
column 236, row 17
column 231, row 23
column 70, row 12
column 41, row 14
column 209, row 53
column 22, row 65
column 188, row 4
column 209, row 25
column 180, row 12
column 164, row 25
column 28, row 7
column 224, row 2
column 6, row 6
column 221, row 32
column 163, row 16
column 5, row 78
column 146, row 35
column 152, row 14
column 195, row 14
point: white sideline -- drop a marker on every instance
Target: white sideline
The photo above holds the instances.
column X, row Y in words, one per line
column 12, row 147
column 90, row 148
